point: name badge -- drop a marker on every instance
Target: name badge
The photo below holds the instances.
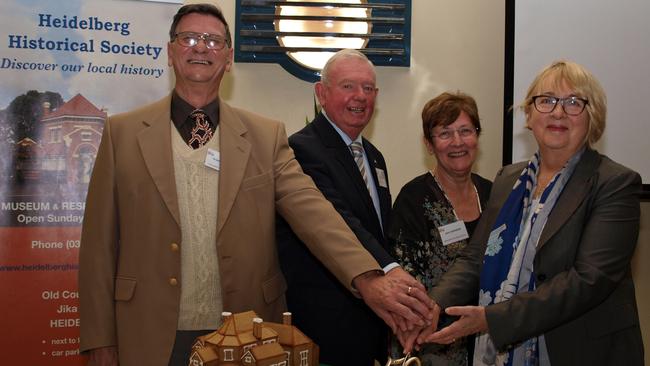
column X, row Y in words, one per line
column 213, row 159
column 381, row 178
column 452, row 233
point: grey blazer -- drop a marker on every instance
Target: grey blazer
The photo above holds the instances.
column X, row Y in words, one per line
column 584, row 303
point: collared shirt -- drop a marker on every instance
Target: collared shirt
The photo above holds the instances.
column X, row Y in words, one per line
column 371, row 180
column 180, row 111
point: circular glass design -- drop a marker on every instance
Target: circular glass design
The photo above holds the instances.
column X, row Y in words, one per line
column 316, row 60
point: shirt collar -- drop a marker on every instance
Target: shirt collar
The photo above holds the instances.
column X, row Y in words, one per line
column 343, row 135
column 180, row 110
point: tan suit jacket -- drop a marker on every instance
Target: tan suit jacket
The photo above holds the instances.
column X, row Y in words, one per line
column 130, row 258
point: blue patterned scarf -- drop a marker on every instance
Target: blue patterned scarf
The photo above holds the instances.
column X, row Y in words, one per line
column 508, row 260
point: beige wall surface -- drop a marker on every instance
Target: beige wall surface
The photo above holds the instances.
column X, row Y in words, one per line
column 455, row 45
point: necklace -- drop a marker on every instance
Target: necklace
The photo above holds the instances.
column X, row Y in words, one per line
column 478, row 199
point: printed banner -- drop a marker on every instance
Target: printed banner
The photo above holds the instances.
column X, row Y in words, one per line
column 64, row 67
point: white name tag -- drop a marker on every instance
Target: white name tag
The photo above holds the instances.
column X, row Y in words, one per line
column 452, row 233
column 381, row 178
column 213, row 159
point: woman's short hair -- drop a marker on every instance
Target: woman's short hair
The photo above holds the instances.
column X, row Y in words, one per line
column 444, row 110
column 583, row 84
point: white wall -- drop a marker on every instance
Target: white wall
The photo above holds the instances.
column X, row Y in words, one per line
column 612, row 42
column 461, row 48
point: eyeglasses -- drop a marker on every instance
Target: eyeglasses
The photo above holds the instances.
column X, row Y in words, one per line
column 572, row 106
column 463, row 132
column 191, row 39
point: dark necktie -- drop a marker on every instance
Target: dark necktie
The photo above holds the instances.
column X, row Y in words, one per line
column 202, row 131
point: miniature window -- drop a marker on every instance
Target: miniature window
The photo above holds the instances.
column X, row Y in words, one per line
column 304, row 358
column 228, row 355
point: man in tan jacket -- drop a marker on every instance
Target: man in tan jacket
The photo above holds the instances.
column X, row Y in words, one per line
column 180, row 217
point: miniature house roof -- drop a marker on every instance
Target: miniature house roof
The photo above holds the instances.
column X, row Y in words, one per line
column 267, row 334
column 232, row 326
column 207, row 354
column 238, row 330
column 238, row 323
column 266, row 351
column 288, row 335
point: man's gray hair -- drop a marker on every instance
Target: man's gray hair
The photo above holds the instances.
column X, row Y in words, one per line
column 340, row 55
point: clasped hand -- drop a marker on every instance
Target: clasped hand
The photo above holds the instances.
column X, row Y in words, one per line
column 471, row 320
column 397, row 298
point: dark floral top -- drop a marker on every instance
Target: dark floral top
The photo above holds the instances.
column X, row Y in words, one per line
column 419, row 210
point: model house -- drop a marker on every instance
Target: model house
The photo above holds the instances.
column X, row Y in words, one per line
column 244, row 339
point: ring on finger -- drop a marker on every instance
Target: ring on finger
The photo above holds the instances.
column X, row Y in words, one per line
column 408, row 291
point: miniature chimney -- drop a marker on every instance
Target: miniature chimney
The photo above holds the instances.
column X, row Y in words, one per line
column 257, row 328
column 225, row 315
column 46, row 107
column 286, row 318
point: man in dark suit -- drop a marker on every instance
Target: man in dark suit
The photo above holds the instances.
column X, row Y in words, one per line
column 346, row 330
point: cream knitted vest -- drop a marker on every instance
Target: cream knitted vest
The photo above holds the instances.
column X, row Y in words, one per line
column 197, row 190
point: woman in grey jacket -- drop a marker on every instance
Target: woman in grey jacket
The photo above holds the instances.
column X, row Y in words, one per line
column 551, row 255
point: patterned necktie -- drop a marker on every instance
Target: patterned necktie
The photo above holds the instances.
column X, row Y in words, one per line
column 357, row 152
column 202, row 130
